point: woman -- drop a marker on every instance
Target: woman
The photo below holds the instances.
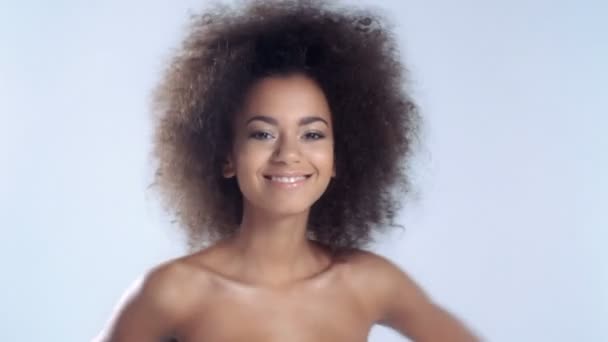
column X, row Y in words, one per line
column 283, row 128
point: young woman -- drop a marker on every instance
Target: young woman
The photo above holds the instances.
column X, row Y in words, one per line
column 283, row 131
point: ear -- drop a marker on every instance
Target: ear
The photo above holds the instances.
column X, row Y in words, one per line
column 228, row 170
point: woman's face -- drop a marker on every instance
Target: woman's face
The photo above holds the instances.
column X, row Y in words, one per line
column 283, row 151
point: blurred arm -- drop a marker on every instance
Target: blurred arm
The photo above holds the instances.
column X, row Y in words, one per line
column 405, row 307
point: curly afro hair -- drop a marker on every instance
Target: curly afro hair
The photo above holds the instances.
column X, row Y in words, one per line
column 349, row 52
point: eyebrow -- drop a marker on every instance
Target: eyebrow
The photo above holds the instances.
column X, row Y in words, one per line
column 303, row 121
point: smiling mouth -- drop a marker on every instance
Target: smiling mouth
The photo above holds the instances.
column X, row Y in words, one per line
column 287, row 179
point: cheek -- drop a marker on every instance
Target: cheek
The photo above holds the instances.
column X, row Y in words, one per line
column 322, row 156
column 248, row 163
column 250, row 157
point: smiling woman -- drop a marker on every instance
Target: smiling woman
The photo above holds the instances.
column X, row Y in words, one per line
column 285, row 149
column 283, row 129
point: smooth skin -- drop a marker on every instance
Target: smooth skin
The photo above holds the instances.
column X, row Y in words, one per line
column 269, row 282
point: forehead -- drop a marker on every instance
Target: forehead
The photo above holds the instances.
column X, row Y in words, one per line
column 286, row 98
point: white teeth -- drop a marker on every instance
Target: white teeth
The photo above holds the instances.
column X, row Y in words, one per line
column 287, row 179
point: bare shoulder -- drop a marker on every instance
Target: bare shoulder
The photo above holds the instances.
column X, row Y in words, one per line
column 390, row 282
column 156, row 303
column 378, row 275
column 375, row 270
column 398, row 302
column 171, row 283
column 375, row 278
column 369, row 261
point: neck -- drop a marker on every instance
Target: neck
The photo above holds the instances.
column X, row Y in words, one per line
column 276, row 250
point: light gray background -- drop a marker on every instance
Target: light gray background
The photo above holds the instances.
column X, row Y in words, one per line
column 508, row 230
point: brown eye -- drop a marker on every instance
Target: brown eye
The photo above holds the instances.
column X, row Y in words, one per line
column 259, row 135
column 313, row 136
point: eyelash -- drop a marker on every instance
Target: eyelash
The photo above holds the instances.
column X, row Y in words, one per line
column 319, row 135
column 256, row 135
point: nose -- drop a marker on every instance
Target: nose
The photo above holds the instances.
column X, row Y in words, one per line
column 287, row 150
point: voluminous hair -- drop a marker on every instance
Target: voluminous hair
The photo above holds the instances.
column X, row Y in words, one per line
column 349, row 52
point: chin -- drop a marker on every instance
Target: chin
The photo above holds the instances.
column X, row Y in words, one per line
column 282, row 205
column 285, row 210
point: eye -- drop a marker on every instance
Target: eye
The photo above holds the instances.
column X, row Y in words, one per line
column 314, row 136
column 259, row 135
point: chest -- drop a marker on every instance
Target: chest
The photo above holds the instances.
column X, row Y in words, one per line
column 318, row 313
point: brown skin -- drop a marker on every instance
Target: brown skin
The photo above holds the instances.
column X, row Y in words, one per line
column 269, row 282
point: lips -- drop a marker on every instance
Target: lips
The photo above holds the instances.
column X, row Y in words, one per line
column 287, row 178
column 289, row 181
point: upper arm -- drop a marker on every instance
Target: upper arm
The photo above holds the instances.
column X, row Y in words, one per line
column 405, row 307
column 149, row 311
